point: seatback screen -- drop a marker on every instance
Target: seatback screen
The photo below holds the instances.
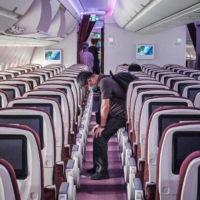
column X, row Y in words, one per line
column 13, row 149
column 192, row 92
column 10, row 93
column 184, row 143
column 45, row 106
column 21, row 87
column 35, row 122
column 165, row 120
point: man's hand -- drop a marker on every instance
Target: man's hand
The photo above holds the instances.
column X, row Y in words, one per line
column 96, row 126
column 97, row 132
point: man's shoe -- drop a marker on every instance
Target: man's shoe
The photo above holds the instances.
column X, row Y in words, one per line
column 99, row 176
column 91, row 171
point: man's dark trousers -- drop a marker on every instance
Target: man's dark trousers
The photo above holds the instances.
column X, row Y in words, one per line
column 100, row 144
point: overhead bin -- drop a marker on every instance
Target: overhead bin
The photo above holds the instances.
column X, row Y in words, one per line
column 36, row 20
column 71, row 16
column 57, row 27
column 54, row 7
column 10, row 11
column 139, row 14
column 125, row 10
column 70, row 23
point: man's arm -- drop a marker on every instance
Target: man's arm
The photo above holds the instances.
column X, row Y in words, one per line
column 105, row 105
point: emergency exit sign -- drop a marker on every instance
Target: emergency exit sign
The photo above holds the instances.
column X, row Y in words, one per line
column 94, row 18
column 97, row 35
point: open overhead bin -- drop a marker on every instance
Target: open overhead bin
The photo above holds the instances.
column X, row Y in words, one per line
column 71, row 23
column 58, row 24
column 55, row 5
column 71, row 17
column 35, row 22
column 11, row 11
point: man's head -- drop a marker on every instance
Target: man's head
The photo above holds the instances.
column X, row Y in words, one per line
column 87, row 79
column 84, row 48
column 85, row 44
column 134, row 67
column 93, row 41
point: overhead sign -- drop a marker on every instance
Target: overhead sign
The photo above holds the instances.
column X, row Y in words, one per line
column 94, row 18
column 97, row 35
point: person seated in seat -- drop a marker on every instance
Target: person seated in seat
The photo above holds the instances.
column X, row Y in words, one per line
column 134, row 68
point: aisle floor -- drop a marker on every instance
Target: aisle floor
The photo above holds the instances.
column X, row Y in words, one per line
column 111, row 189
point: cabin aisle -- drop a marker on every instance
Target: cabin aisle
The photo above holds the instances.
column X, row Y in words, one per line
column 113, row 188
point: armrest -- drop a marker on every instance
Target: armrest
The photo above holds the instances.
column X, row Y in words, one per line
column 138, row 190
column 132, row 166
column 69, row 167
column 75, row 149
column 78, row 138
column 63, row 192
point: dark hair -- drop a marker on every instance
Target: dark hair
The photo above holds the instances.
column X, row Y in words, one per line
column 93, row 41
column 82, row 78
column 134, row 67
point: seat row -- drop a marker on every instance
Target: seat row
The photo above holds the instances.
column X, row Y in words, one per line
column 152, row 109
column 43, row 137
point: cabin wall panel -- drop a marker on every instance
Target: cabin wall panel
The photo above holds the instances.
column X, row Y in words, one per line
column 68, row 47
column 124, row 50
column 15, row 56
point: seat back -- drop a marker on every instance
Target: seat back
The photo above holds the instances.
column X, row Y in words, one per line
column 73, row 80
column 158, row 122
column 52, row 107
column 164, row 77
column 139, row 88
column 141, row 97
column 4, row 99
column 32, row 81
column 197, row 100
column 73, row 88
column 188, row 187
column 190, row 91
column 38, row 77
column 42, row 124
column 162, row 73
column 179, row 85
column 171, row 81
column 195, row 75
column 23, row 85
column 67, row 90
column 20, row 146
column 130, row 88
column 12, row 91
column 178, row 140
column 8, row 187
column 148, row 108
column 62, row 99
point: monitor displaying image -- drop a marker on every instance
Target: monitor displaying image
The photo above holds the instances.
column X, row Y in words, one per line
column 53, row 57
column 144, row 51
